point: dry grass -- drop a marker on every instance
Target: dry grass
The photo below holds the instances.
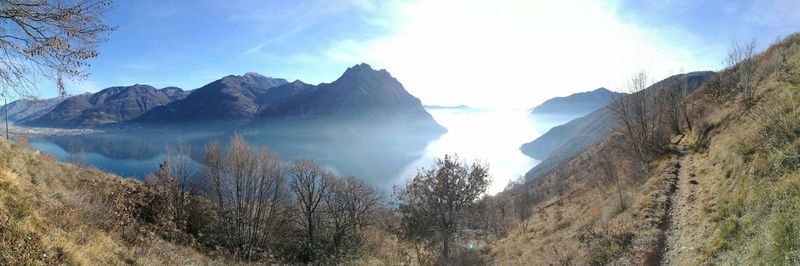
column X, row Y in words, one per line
column 745, row 199
column 53, row 213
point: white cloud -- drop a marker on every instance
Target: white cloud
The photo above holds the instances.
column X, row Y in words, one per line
column 502, row 54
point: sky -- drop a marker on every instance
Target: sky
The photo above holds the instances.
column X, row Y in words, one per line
column 490, row 54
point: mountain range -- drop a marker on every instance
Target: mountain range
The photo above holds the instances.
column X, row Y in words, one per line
column 24, row 110
column 361, row 91
column 109, row 106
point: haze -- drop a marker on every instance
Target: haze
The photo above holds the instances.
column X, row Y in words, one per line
column 490, row 54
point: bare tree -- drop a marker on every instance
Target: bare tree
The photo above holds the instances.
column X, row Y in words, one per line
column 439, row 196
column 310, row 184
column 348, row 209
column 740, row 66
column 49, row 38
column 247, row 187
column 523, row 204
column 638, row 113
column 673, row 104
column 559, row 186
column 677, row 109
column 5, row 110
column 609, row 177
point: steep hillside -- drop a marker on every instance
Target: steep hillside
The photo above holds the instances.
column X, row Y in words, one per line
column 578, row 104
column 725, row 191
column 108, row 106
column 23, row 110
column 60, row 214
column 565, row 141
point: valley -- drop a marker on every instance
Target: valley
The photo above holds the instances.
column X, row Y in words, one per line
column 507, row 133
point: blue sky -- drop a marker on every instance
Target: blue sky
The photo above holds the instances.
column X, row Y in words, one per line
column 492, row 54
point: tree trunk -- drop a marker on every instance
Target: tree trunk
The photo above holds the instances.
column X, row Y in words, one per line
column 5, row 112
column 446, row 248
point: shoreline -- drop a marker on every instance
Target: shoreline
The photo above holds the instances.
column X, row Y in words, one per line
column 46, row 131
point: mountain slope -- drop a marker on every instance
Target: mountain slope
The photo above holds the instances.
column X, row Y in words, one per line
column 360, row 95
column 108, row 106
column 578, row 104
column 723, row 192
column 565, row 141
column 23, row 110
column 360, row 89
column 229, row 98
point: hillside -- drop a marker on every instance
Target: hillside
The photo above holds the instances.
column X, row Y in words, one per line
column 109, row 106
column 578, row 104
column 53, row 213
column 565, row 141
column 725, row 191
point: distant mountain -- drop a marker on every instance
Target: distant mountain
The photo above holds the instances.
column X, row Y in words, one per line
column 360, row 92
column 229, row 98
column 578, row 104
column 565, row 141
column 360, row 89
column 24, row 110
column 108, row 106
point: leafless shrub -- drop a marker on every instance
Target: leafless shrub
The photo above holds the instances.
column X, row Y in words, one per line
column 641, row 118
column 348, row 210
column 247, row 188
column 523, row 204
column 609, row 177
column 310, row 184
column 740, row 69
column 676, row 108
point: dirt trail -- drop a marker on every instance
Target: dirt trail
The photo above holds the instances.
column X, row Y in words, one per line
column 682, row 220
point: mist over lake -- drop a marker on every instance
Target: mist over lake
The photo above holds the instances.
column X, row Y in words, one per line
column 381, row 155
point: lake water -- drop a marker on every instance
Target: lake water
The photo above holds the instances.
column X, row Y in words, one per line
column 381, row 157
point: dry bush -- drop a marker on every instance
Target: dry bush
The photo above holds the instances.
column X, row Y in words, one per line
column 348, row 211
column 247, row 188
column 740, row 68
column 640, row 117
column 605, row 243
column 22, row 140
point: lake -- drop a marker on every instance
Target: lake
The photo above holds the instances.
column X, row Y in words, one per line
column 382, row 157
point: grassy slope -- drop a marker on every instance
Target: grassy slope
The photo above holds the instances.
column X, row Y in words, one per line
column 743, row 206
column 55, row 213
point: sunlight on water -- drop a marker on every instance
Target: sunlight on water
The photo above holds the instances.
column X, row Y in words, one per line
column 493, row 137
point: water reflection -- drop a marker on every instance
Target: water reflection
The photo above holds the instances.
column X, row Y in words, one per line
column 382, row 154
column 375, row 152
